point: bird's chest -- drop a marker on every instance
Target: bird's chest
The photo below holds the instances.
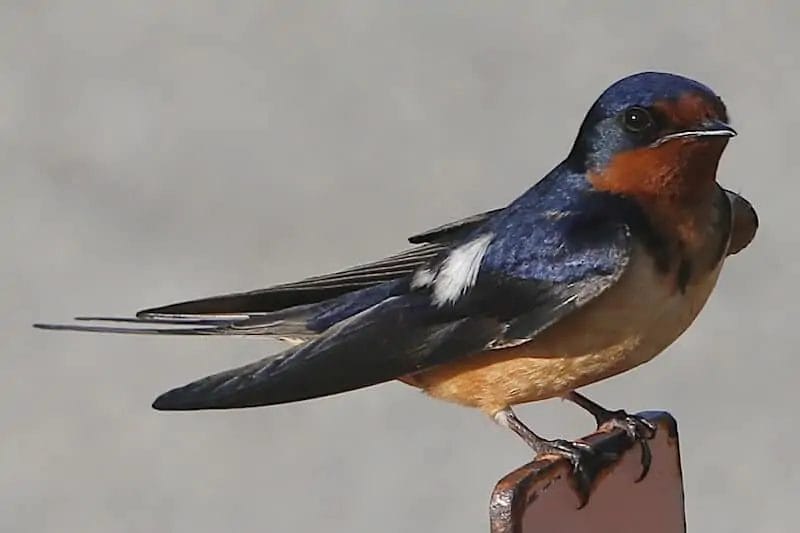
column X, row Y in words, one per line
column 656, row 299
column 625, row 326
column 634, row 320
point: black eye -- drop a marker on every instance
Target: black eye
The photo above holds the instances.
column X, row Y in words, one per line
column 637, row 119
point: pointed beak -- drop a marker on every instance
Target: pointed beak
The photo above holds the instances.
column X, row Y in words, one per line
column 709, row 128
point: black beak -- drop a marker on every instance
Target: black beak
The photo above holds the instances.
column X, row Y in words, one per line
column 709, row 128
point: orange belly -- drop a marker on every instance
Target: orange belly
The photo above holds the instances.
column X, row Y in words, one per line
column 624, row 327
column 491, row 381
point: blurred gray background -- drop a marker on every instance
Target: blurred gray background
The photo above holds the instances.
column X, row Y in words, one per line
column 155, row 151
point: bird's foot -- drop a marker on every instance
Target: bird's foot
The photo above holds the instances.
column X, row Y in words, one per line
column 638, row 429
column 586, row 462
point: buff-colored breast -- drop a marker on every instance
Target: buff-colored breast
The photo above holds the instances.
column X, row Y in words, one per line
column 625, row 326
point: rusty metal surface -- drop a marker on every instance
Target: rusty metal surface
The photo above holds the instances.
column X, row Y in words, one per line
column 540, row 497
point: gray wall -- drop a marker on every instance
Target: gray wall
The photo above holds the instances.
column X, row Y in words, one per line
column 154, row 151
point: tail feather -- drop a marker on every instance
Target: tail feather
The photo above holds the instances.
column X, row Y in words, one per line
column 296, row 323
column 292, row 322
column 132, row 330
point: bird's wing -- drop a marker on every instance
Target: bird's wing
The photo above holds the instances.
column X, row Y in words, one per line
column 280, row 310
column 319, row 288
column 516, row 290
column 453, row 230
column 306, row 291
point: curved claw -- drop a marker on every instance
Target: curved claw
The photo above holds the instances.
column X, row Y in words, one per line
column 584, row 460
column 639, row 429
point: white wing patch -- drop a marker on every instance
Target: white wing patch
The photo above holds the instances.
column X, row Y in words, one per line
column 422, row 278
column 458, row 271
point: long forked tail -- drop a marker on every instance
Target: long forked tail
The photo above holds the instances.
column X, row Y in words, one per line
column 297, row 323
column 292, row 310
column 288, row 323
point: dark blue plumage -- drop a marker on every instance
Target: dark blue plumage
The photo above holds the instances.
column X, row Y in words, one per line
column 560, row 231
column 331, row 312
column 643, row 89
column 600, row 135
column 494, row 280
column 592, row 271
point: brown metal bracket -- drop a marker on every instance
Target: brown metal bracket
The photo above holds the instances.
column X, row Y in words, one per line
column 539, row 497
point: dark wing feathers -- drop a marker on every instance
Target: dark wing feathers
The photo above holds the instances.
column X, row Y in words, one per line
column 281, row 310
column 405, row 333
column 454, row 230
column 307, row 291
column 396, row 337
column 366, row 325
column 298, row 322
column 319, row 288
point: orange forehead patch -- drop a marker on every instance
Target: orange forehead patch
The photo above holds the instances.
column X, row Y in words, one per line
column 690, row 110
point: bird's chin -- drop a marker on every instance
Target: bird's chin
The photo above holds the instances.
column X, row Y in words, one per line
column 708, row 145
column 691, row 153
column 704, row 143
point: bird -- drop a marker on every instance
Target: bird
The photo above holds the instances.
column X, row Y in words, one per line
column 594, row 270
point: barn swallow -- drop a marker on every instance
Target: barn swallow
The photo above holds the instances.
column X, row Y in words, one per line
column 594, row 270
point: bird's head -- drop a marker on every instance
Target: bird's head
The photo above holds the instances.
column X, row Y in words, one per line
column 653, row 134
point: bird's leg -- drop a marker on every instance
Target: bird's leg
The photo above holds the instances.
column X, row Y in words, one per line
column 638, row 428
column 580, row 454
